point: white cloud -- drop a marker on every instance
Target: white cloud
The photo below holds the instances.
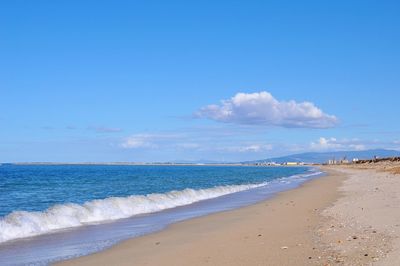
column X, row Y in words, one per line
column 261, row 108
column 152, row 141
column 324, row 144
column 249, row 148
column 256, row 148
column 334, row 144
column 139, row 141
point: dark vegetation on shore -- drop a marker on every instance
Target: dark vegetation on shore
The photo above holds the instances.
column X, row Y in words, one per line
column 378, row 160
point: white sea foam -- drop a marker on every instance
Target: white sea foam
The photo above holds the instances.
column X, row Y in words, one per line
column 20, row 224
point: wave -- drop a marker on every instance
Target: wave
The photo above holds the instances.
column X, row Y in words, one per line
column 20, row 224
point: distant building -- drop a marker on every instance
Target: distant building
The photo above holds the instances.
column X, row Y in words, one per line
column 292, row 163
column 267, row 164
column 342, row 161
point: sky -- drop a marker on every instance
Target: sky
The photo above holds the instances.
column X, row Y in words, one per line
column 146, row 81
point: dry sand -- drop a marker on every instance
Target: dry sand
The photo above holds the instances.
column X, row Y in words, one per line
column 349, row 217
column 363, row 226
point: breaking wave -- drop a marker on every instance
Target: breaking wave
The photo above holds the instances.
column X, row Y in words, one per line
column 20, row 224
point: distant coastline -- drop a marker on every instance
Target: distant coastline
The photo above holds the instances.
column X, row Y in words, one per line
column 310, row 158
column 158, row 164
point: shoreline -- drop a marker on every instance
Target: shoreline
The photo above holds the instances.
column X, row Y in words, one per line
column 348, row 217
column 273, row 231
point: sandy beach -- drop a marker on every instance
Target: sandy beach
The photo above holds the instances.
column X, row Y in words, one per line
column 349, row 217
column 362, row 227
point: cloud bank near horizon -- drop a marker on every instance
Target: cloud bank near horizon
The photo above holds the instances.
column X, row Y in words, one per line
column 195, row 142
column 261, row 108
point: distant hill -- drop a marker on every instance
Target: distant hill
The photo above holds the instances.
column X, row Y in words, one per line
column 321, row 157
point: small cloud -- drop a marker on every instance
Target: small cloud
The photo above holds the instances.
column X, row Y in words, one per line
column 102, row 129
column 324, row 144
column 248, row 148
column 334, row 144
column 256, row 148
column 138, row 141
column 261, row 108
column 149, row 141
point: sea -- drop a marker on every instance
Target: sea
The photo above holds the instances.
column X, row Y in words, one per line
column 50, row 213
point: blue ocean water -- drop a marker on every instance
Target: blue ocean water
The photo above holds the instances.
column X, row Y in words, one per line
column 42, row 205
column 38, row 187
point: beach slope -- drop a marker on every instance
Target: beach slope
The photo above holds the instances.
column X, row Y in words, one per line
column 278, row 231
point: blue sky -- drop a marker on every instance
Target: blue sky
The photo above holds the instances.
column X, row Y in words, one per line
column 172, row 80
